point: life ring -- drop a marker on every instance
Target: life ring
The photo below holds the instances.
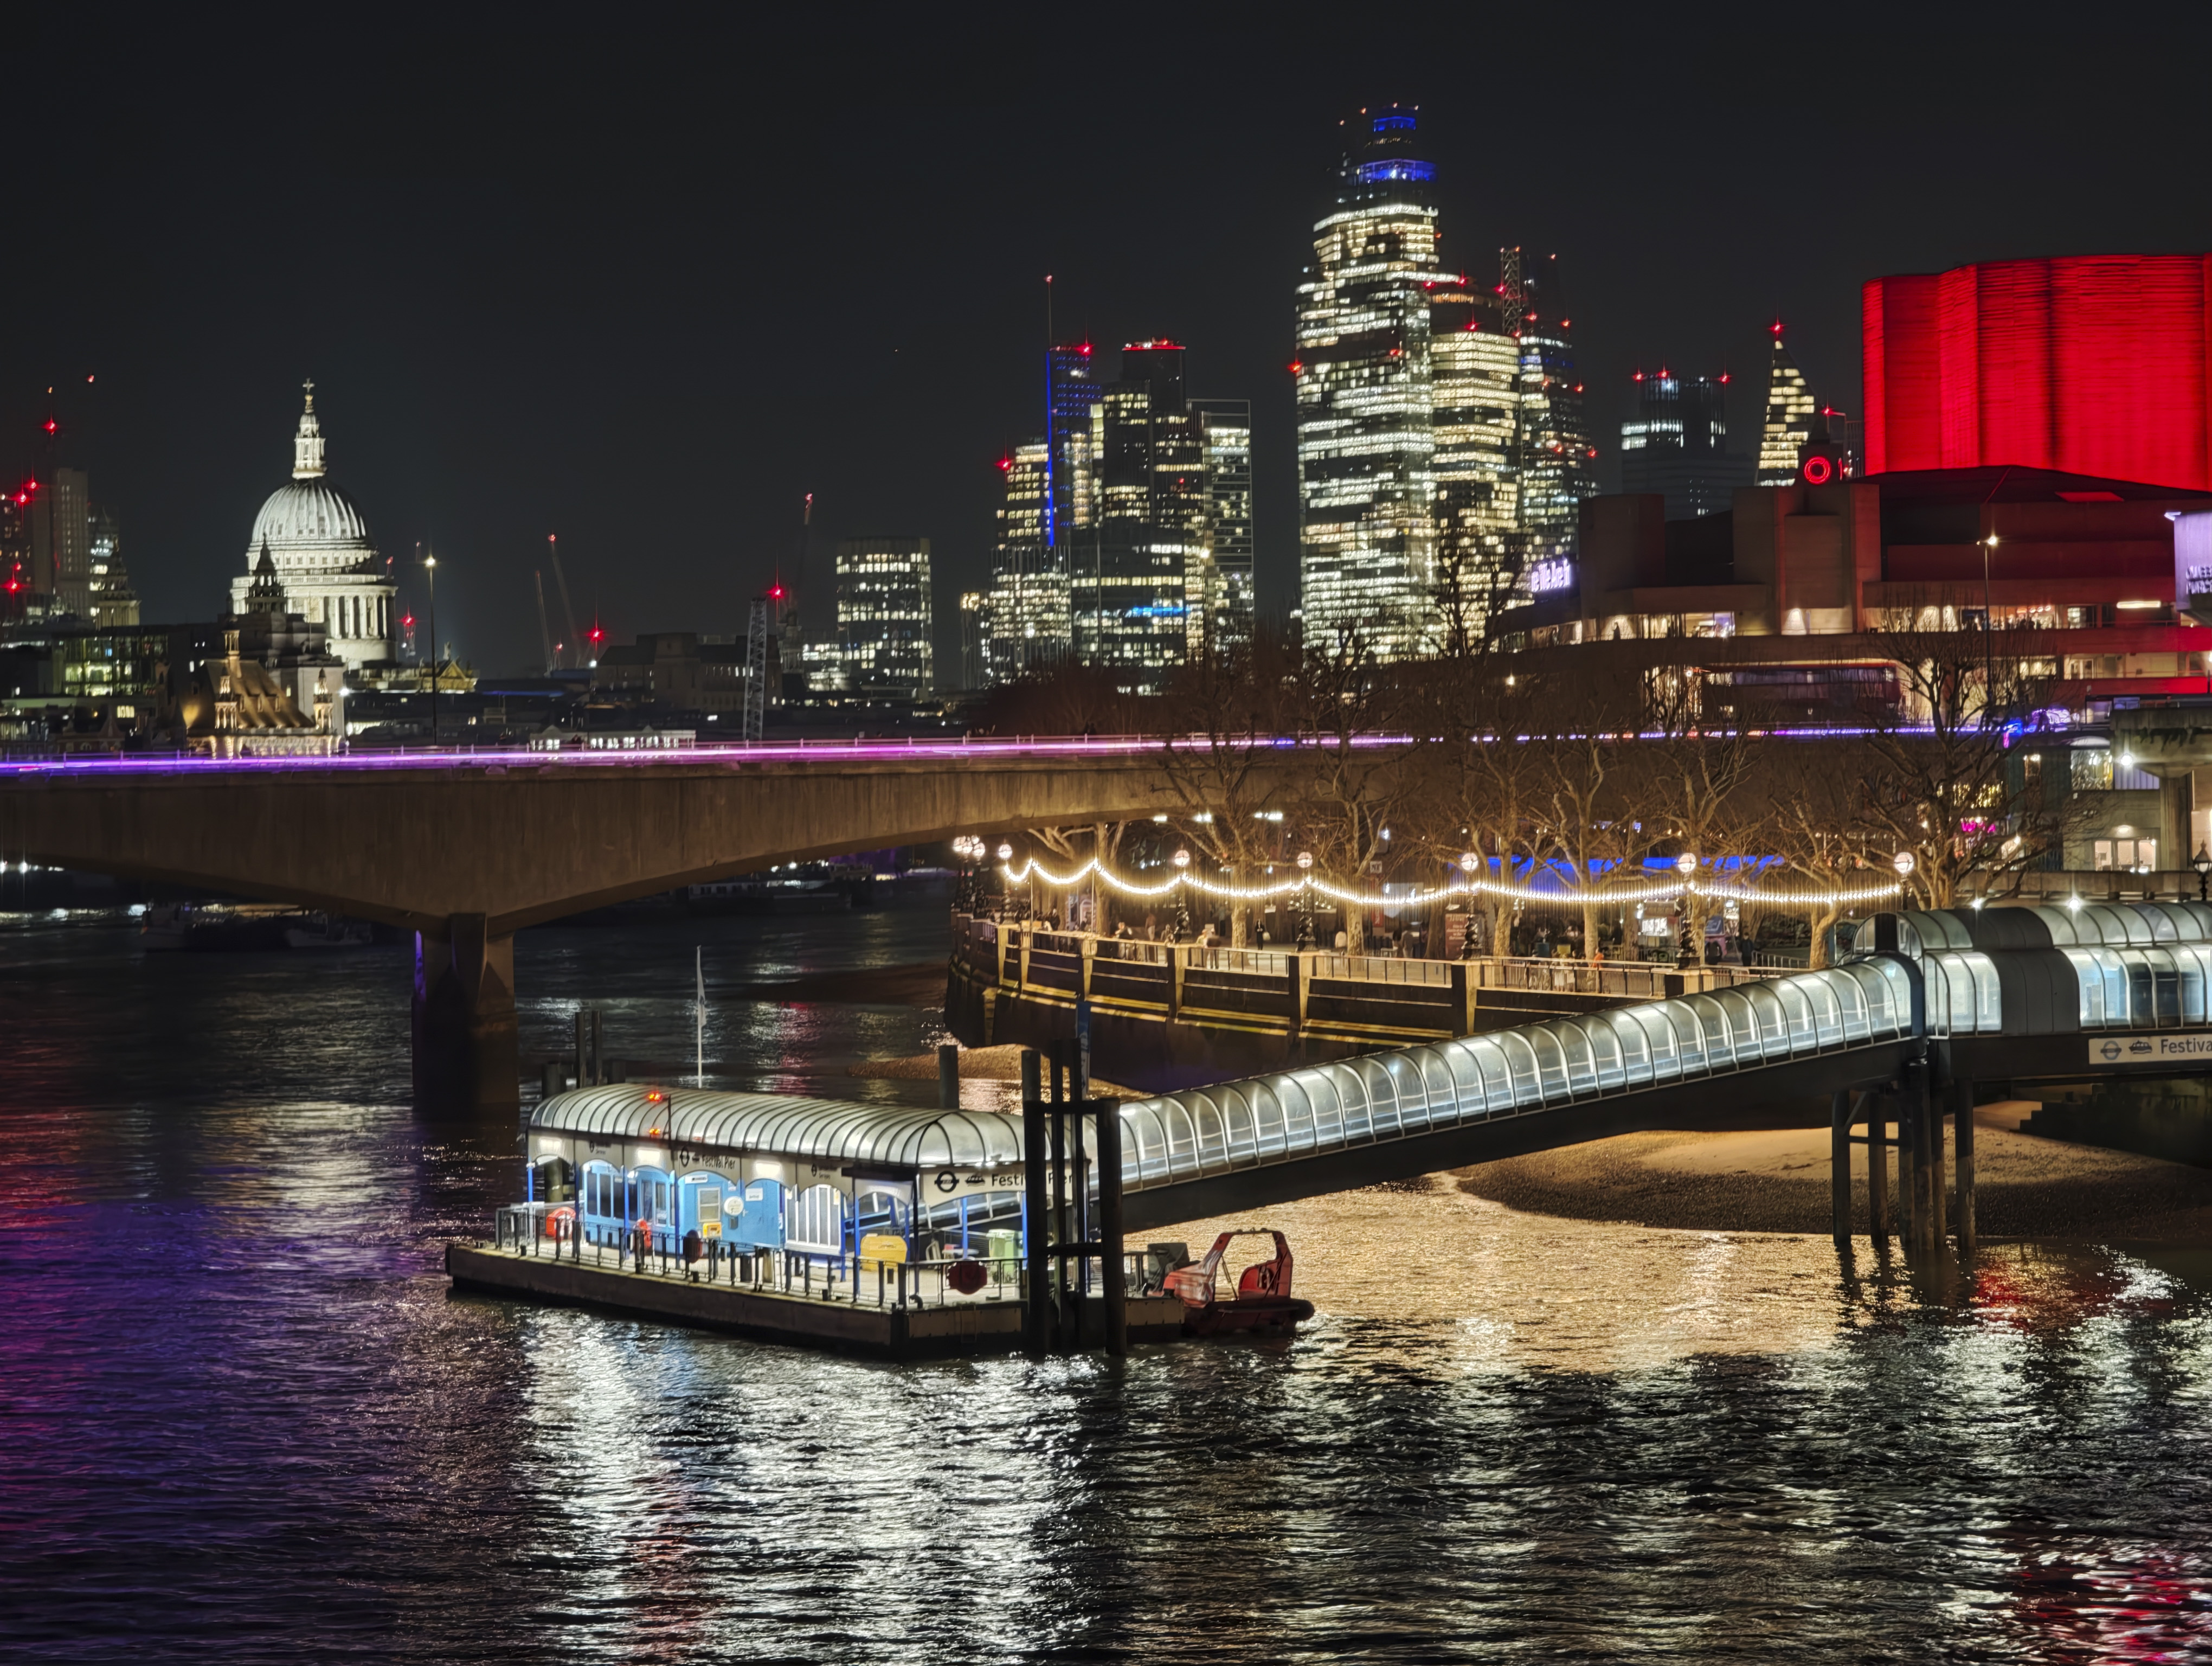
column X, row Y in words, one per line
column 557, row 1220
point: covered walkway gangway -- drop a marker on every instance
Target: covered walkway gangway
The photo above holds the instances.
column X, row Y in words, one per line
column 1987, row 995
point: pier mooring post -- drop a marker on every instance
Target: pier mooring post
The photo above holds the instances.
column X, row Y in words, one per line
column 1065, row 1333
column 1962, row 1108
column 1840, row 1166
column 1035, row 1323
column 1109, row 1225
column 1106, row 1155
column 948, row 1076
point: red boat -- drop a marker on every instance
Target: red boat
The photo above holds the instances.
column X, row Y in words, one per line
column 1263, row 1302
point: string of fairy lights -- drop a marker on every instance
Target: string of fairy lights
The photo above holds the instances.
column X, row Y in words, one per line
column 1687, row 879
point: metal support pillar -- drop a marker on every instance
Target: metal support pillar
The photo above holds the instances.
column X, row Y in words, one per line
column 1060, row 1234
column 1840, row 1167
column 1939, row 1204
column 1874, row 1107
column 1036, row 1316
column 1108, row 1115
column 1918, row 1107
column 1962, row 1105
column 1903, row 1208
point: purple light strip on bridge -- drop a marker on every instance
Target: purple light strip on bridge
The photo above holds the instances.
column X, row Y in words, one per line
column 794, row 752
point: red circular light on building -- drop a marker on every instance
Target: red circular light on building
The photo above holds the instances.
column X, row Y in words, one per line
column 1817, row 471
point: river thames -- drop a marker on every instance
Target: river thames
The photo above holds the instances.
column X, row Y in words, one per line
column 246, row 1421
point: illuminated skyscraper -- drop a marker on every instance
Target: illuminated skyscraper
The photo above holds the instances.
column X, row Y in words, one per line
column 113, row 601
column 1556, row 453
column 1676, row 445
column 974, row 638
column 61, row 543
column 883, row 621
column 1789, row 416
column 1029, row 600
column 1072, row 394
column 1475, row 437
column 1225, row 429
column 1366, row 478
column 1143, row 600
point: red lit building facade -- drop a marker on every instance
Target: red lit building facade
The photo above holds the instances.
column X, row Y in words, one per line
column 2097, row 365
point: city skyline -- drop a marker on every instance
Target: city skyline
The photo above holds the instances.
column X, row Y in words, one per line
column 490, row 391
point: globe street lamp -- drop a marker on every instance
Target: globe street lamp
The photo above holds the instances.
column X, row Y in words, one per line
column 1181, row 861
column 2202, row 861
column 1305, row 899
column 1903, row 863
column 1470, row 863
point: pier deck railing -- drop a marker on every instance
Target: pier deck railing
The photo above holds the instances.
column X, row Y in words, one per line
column 1366, row 1000
column 521, row 1230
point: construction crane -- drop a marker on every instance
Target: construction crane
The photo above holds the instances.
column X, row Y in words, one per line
column 567, row 612
column 544, row 631
column 755, row 724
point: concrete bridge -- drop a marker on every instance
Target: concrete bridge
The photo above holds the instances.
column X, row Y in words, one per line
column 466, row 850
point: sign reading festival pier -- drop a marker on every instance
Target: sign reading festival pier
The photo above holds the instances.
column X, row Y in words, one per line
column 2150, row 1049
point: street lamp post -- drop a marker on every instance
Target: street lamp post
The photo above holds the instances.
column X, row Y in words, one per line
column 1305, row 899
column 1693, row 950
column 1989, row 663
column 430, row 572
column 2202, row 861
column 1182, row 904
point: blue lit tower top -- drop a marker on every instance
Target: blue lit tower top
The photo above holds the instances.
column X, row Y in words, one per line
column 1380, row 161
column 1072, row 390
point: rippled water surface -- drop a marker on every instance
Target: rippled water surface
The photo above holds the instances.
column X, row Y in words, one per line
column 245, row 1420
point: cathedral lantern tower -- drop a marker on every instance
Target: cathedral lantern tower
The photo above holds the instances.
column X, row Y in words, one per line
column 313, row 536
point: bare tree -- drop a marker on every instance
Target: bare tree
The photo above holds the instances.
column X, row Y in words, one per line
column 1941, row 782
column 1223, row 758
column 1693, row 774
column 1344, row 711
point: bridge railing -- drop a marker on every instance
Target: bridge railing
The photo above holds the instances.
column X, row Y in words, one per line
column 1631, row 979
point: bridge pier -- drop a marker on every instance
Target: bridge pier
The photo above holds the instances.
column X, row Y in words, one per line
column 467, row 1051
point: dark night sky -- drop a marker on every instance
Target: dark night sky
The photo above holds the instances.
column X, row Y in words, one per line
column 645, row 279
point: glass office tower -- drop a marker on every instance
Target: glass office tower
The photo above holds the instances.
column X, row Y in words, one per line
column 1788, row 416
column 1676, row 445
column 1557, row 457
column 1143, row 601
column 1366, row 478
column 1028, row 610
column 1476, row 439
column 1225, row 429
column 883, row 621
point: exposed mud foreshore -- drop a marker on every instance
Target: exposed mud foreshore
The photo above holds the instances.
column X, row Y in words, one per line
column 1777, row 1181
